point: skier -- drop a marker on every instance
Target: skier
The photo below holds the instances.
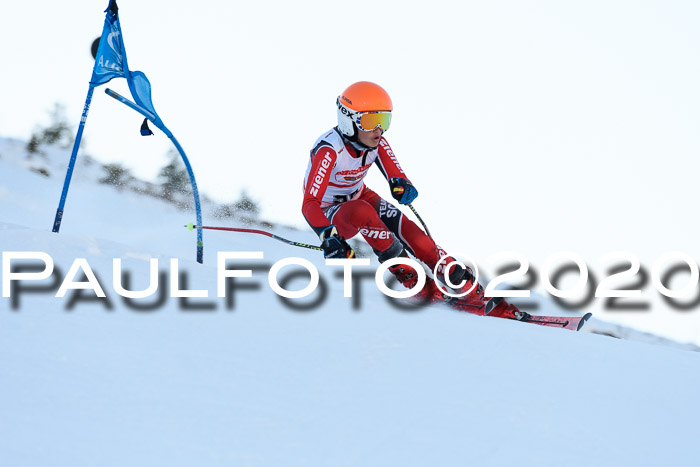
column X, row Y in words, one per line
column 337, row 204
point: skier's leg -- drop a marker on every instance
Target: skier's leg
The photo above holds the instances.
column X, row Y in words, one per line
column 409, row 234
column 379, row 221
column 418, row 243
column 359, row 216
column 413, row 238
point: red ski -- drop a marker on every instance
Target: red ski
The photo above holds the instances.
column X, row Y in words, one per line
column 478, row 304
column 495, row 307
column 564, row 322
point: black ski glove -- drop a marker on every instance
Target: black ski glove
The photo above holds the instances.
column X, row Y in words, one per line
column 402, row 190
column 335, row 246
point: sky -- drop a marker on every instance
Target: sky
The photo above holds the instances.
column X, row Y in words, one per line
column 533, row 127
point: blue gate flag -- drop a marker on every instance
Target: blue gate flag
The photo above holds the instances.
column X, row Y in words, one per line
column 140, row 89
column 110, row 62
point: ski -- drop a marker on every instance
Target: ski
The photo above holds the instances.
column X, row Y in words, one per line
column 476, row 303
column 574, row 323
column 485, row 307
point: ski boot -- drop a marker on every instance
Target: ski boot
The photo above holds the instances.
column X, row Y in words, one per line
column 499, row 308
column 475, row 301
column 408, row 277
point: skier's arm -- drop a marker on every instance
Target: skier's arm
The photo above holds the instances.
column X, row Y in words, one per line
column 322, row 162
column 387, row 162
column 401, row 187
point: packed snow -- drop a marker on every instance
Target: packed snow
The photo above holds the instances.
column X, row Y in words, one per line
column 248, row 380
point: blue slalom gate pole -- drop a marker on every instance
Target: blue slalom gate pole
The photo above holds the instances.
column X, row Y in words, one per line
column 71, row 163
column 195, row 192
column 190, row 172
column 130, row 104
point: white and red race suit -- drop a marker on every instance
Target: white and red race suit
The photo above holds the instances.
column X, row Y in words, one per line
column 335, row 193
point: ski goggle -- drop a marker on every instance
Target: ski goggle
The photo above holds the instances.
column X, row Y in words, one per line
column 369, row 121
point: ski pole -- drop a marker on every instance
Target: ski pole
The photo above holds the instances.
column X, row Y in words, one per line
column 192, row 226
column 421, row 220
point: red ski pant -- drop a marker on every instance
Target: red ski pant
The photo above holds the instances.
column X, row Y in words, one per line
column 380, row 222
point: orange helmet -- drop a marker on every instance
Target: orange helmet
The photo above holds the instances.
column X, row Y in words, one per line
column 359, row 98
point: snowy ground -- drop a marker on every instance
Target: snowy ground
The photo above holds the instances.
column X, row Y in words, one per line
column 203, row 382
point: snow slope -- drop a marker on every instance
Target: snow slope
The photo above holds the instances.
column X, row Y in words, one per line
column 255, row 383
